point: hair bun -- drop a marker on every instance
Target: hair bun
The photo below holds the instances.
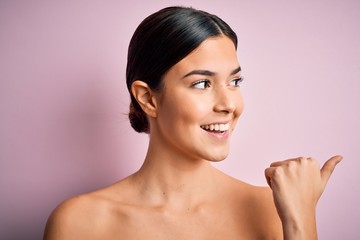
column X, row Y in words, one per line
column 138, row 119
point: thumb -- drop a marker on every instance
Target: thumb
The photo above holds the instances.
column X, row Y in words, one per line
column 329, row 167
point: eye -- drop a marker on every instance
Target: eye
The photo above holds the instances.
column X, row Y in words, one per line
column 236, row 82
column 202, row 84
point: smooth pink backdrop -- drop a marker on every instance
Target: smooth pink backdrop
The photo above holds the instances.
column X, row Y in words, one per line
column 63, row 100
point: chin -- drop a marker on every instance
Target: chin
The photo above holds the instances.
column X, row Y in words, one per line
column 218, row 158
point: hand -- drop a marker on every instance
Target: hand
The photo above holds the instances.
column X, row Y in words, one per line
column 297, row 185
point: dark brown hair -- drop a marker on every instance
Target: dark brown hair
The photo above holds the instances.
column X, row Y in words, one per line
column 162, row 40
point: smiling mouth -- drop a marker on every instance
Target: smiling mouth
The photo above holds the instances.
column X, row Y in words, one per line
column 217, row 128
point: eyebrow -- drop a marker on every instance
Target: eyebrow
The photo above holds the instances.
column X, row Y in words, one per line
column 209, row 73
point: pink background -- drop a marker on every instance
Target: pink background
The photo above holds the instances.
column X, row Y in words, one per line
column 63, row 100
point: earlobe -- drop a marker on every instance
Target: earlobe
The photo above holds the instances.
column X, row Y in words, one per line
column 144, row 96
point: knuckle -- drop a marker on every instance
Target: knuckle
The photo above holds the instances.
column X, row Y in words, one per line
column 278, row 172
column 292, row 165
column 313, row 162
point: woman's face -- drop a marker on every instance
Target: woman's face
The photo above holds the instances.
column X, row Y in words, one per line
column 201, row 101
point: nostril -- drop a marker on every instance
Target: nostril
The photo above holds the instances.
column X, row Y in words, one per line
column 224, row 102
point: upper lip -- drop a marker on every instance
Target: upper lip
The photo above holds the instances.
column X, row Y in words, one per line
column 218, row 122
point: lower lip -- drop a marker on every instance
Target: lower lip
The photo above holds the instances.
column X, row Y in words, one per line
column 218, row 135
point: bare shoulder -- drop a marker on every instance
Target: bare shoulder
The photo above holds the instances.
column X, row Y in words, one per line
column 256, row 205
column 265, row 213
column 87, row 216
column 73, row 218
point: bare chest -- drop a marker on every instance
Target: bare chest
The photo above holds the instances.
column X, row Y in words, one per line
column 159, row 225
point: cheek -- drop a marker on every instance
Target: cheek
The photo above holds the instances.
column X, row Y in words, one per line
column 181, row 108
column 195, row 107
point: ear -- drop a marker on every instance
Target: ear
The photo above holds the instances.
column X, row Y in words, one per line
column 145, row 97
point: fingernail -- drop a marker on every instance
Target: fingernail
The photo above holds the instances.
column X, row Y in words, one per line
column 340, row 158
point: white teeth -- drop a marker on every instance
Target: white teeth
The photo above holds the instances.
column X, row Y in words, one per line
column 217, row 127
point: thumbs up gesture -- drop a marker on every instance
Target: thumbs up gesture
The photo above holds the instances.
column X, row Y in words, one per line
column 297, row 185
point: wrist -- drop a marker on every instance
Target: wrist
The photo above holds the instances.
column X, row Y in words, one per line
column 300, row 229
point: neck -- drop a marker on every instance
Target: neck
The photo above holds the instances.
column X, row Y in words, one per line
column 168, row 178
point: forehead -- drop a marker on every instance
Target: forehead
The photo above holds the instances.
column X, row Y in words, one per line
column 217, row 54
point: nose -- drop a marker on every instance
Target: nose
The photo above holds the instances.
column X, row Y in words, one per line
column 225, row 100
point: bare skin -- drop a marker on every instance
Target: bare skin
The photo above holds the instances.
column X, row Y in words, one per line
column 177, row 194
column 233, row 211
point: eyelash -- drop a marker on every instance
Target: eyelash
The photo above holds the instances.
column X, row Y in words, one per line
column 206, row 82
column 237, row 82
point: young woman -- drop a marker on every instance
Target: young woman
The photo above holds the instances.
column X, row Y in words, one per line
column 183, row 76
